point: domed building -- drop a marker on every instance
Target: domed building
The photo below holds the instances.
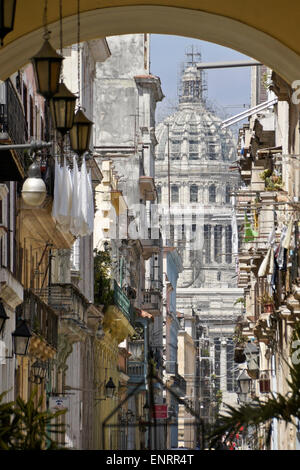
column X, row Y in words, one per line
column 194, row 181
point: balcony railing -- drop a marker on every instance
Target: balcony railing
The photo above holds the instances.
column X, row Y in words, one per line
column 123, row 303
column 137, row 372
column 41, row 318
column 152, row 301
column 13, row 126
column 66, row 300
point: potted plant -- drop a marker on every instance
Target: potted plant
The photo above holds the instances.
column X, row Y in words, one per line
column 239, row 340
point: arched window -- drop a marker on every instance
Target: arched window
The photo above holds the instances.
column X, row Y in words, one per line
column 227, row 194
column 194, row 193
column 174, row 193
column 158, row 190
column 212, row 193
column 218, row 243
column 228, row 242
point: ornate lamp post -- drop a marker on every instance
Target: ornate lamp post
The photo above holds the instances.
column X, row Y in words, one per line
column 110, row 388
column 21, row 337
column 80, row 134
column 47, row 65
column 244, row 385
column 62, row 106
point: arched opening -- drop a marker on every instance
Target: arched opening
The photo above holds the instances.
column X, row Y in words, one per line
column 267, row 37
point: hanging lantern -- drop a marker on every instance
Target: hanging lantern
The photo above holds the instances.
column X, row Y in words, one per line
column 110, row 388
column 7, row 17
column 47, row 66
column 3, row 316
column 62, row 106
column 21, row 337
column 244, row 383
column 34, row 189
column 38, row 371
column 80, row 133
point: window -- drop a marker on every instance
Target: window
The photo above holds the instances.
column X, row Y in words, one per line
column 193, row 149
column 212, row 193
column 158, row 189
column 194, row 193
column 174, row 193
column 211, row 151
column 218, row 243
column 227, row 194
column 207, row 238
column 228, row 242
column 175, row 149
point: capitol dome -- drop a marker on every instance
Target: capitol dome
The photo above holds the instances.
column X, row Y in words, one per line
column 193, row 132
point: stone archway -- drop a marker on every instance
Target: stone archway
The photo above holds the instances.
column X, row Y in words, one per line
column 271, row 36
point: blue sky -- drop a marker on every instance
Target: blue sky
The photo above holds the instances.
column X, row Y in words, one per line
column 226, row 87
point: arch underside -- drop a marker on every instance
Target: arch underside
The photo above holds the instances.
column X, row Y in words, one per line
column 197, row 24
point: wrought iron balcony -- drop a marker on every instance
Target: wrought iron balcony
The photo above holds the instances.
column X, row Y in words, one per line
column 123, row 303
column 137, row 372
column 42, row 319
column 67, row 301
column 151, row 245
column 13, row 130
column 152, row 301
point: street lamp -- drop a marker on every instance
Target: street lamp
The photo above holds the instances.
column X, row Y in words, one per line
column 47, row 65
column 3, row 316
column 38, row 372
column 21, row 337
column 244, row 385
column 34, row 189
column 80, row 133
column 7, row 17
column 110, row 388
column 62, row 106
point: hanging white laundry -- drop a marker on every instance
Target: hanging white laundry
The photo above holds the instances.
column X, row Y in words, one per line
column 83, row 229
column 90, row 203
column 76, row 215
column 65, row 199
column 264, row 265
column 271, row 264
column 57, row 189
